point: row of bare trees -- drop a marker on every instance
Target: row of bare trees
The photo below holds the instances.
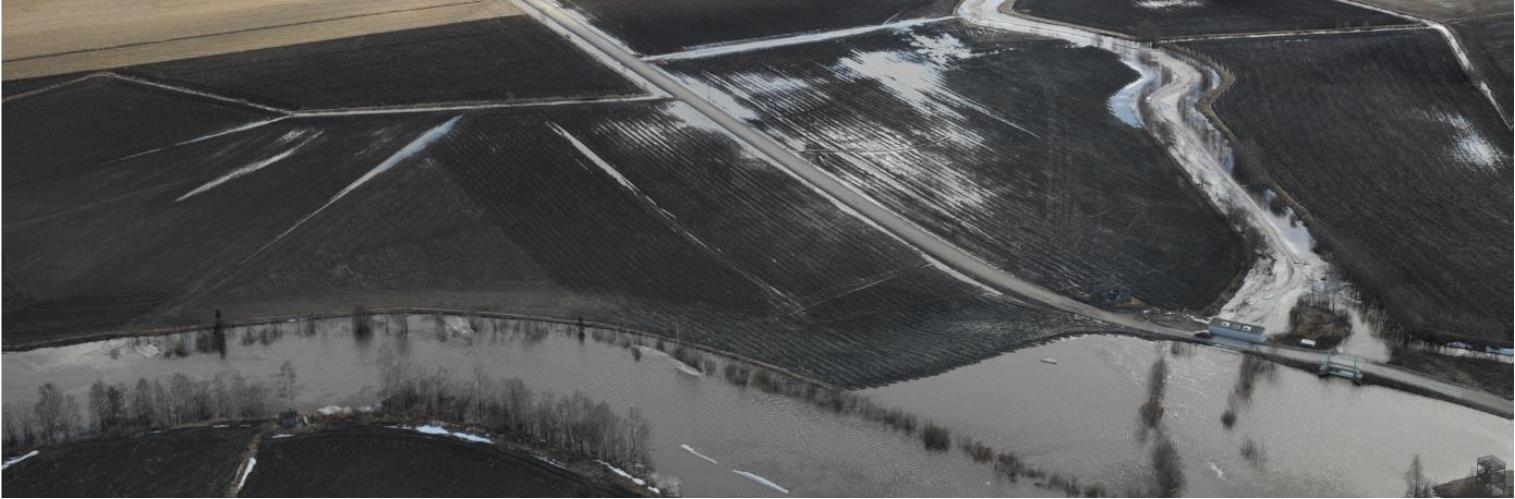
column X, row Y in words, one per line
column 573, row 422
column 154, row 403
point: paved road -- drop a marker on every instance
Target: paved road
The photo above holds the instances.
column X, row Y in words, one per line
column 942, row 252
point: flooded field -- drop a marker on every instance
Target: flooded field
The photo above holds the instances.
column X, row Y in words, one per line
column 1315, row 438
column 1077, row 417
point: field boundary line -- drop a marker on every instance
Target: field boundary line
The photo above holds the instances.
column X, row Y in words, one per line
column 1280, row 34
column 472, row 106
column 198, row 93
column 1474, row 73
column 764, row 43
column 237, row 31
column 55, row 86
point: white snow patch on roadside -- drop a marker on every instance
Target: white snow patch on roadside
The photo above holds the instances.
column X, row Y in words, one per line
column 717, row 97
column 697, row 453
column 332, row 410
column 282, row 435
column 251, row 461
column 762, row 481
column 17, row 459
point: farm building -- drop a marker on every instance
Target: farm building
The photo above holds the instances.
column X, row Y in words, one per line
column 1223, row 328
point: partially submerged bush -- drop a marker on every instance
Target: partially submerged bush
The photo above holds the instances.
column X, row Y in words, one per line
column 936, row 438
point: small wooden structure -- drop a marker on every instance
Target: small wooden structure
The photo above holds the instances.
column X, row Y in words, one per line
column 1225, row 328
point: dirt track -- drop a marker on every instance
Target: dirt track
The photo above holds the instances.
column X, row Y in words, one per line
column 55, row 37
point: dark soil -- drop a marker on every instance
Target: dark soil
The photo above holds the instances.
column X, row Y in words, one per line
column 1149, row 19
column 1017, row 158
column 67, row 132
column 377, row 462
column 180, row 463
column 489, row 60
column 1491, row 43
column 1401, row 164
column 97, row 249
column 1488, row 375
column 659, row 26
column 501, row 214
column 13, row 87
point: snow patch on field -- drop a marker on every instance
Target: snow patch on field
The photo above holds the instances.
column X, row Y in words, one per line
column 436, row 429
column 251, row 461
column 677, row 364
column 696, row 453
column 1473, row 147
column 252, row 167
column 457, row 325
column 17, row 459
column 761, row 481
column 1167, row 4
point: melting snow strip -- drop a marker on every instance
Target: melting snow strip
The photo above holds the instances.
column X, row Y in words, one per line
column 762, row 481
column 623, row 473
column 697, row 453
column 679, row 364
column 669, row 218
column 725, row 48
column 251, row 461
column 17, row 459
column 202, row 138
column 433, row 429
column 240, row 172
column 411, row 149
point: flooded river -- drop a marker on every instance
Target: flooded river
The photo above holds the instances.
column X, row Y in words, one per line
column 1077, row 417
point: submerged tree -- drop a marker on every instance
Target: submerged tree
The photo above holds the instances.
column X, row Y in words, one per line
column 285, row 383
column 1416, row 483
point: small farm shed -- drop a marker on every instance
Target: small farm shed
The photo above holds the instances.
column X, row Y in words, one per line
column 1223, row 328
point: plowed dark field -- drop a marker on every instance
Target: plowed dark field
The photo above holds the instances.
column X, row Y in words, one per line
column 660, row 26
column 389, row 463
column 181, row 463
column 490, row 60
column 1010, row 147
column 641, row 214
column 1402, row 165
column 1168, row 18
column 1491, row 43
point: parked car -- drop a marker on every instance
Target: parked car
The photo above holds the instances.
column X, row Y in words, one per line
column 1203, row 335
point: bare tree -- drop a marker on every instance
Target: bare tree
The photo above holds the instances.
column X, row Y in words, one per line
column 285, row 383
column 1416, row 483
column 51, row 413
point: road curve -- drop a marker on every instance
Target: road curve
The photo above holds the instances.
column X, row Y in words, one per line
column 945, row 253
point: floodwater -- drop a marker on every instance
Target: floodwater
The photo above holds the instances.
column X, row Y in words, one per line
column 800, row 447
column 1077, row 417
column 1317, row 437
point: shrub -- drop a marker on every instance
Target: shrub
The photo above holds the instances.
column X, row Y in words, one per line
column 936, row 438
